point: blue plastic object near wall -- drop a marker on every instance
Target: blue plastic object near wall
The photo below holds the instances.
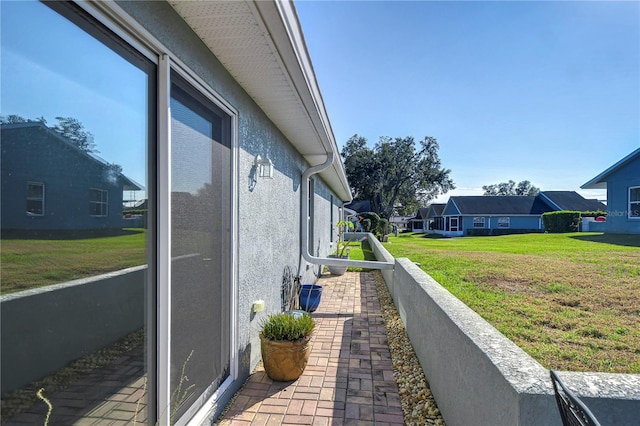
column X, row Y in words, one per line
column 310, row 295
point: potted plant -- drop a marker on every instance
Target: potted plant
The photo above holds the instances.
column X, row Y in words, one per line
column 342, row 252
column 284, row 343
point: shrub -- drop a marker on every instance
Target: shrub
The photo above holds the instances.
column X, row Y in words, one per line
column 383, row 227
column 373, row 218
column 562, row 221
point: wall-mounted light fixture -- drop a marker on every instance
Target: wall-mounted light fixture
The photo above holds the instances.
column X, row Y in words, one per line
column 264, row 167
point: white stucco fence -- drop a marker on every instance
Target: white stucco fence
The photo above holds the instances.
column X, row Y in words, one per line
column 478, row 376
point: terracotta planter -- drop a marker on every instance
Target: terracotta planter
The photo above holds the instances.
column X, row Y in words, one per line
column 285, row 361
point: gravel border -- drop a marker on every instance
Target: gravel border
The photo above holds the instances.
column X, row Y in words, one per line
column 418, row 404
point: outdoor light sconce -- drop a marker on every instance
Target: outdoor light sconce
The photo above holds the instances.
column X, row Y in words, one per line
column 264, row 167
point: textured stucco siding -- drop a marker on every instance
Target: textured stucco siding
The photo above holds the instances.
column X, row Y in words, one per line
column 268, row 239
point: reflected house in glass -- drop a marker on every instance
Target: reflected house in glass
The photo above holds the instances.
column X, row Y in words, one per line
column 50, row 184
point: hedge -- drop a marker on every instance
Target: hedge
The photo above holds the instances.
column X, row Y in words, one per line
column 562, row 221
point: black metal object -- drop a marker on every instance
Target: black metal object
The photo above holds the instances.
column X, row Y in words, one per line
column 290, row 292
column 572, row 410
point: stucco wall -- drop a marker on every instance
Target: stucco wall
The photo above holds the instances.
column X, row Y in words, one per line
column 478, row 376
column 268, row 239
column 44, row 329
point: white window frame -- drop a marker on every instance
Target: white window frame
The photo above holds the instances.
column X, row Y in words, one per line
column 633, row 205
column 117, row 20
column 478, row 222
column 103, row 203
column 39, row 199
column 504, row 222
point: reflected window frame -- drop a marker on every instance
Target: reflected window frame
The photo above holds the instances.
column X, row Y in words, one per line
column 32, row 199
column 98, row 202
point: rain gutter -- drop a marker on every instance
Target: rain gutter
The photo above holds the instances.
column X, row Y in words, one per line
column 306, row 175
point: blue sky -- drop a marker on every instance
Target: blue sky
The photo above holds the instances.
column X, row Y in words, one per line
column 543, row 91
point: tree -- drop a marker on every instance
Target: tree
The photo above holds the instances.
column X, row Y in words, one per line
column 72, row 129
column 13, row 119
column 511, row 188
column 395, row 173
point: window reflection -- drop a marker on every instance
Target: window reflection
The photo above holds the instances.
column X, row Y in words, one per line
column 201, row 242
column 76, row 125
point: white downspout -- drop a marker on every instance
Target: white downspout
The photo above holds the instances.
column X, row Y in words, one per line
column 306, row 222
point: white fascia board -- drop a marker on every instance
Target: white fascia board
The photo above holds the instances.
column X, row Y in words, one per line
column 599, row 181
column 281, row 20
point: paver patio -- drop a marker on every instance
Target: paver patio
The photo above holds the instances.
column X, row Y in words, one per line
column 349, row 378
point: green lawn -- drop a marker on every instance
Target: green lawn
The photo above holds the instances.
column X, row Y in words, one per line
column 572, row 301
column 30, row 263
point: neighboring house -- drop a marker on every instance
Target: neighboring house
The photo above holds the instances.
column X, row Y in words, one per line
column 243, row 179
column 435, row 221
column 359, row 206
column 496, row 215
column 571, row 200
column 418, row 223
column 401, row 222
column 492, row 215
column 622, row 182
column 50, row 184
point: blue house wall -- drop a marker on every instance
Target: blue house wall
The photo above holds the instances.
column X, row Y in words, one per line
column 528, row 223
column 618, row 184
column 32, row 153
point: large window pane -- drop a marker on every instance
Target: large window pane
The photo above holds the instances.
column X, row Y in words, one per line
column 76, row 126
column 201, row 245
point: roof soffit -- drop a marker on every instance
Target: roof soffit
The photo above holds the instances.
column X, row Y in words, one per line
column 261, row 45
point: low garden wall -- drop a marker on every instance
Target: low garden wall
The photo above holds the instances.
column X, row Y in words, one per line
column 44, row 329
column 478, row 376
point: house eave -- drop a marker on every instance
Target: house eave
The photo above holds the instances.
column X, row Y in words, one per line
column 599, row 182
column 262, row 46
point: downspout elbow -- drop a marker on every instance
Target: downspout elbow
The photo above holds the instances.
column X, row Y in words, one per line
column 306, row 222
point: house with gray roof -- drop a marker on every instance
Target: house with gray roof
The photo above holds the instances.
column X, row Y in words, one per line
column 49, row 184
column 622, row 182
column 497, row 215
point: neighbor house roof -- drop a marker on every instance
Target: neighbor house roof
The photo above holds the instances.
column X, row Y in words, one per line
column 128, row 184
column 571, row 200
column 600, row 181
column 499, row 205
column 422, row 213
column 359, row 206
column 262, row 46
column 436, row 209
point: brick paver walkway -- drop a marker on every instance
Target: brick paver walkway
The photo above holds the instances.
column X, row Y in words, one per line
column 349, row 378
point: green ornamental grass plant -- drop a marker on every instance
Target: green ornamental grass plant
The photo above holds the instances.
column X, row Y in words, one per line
column 287, row 327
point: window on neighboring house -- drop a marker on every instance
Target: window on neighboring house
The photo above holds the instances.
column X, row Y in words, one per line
column 98, row 200
column 478, row 222
column 634, row 202
column 35, row 199
column 504, row 222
